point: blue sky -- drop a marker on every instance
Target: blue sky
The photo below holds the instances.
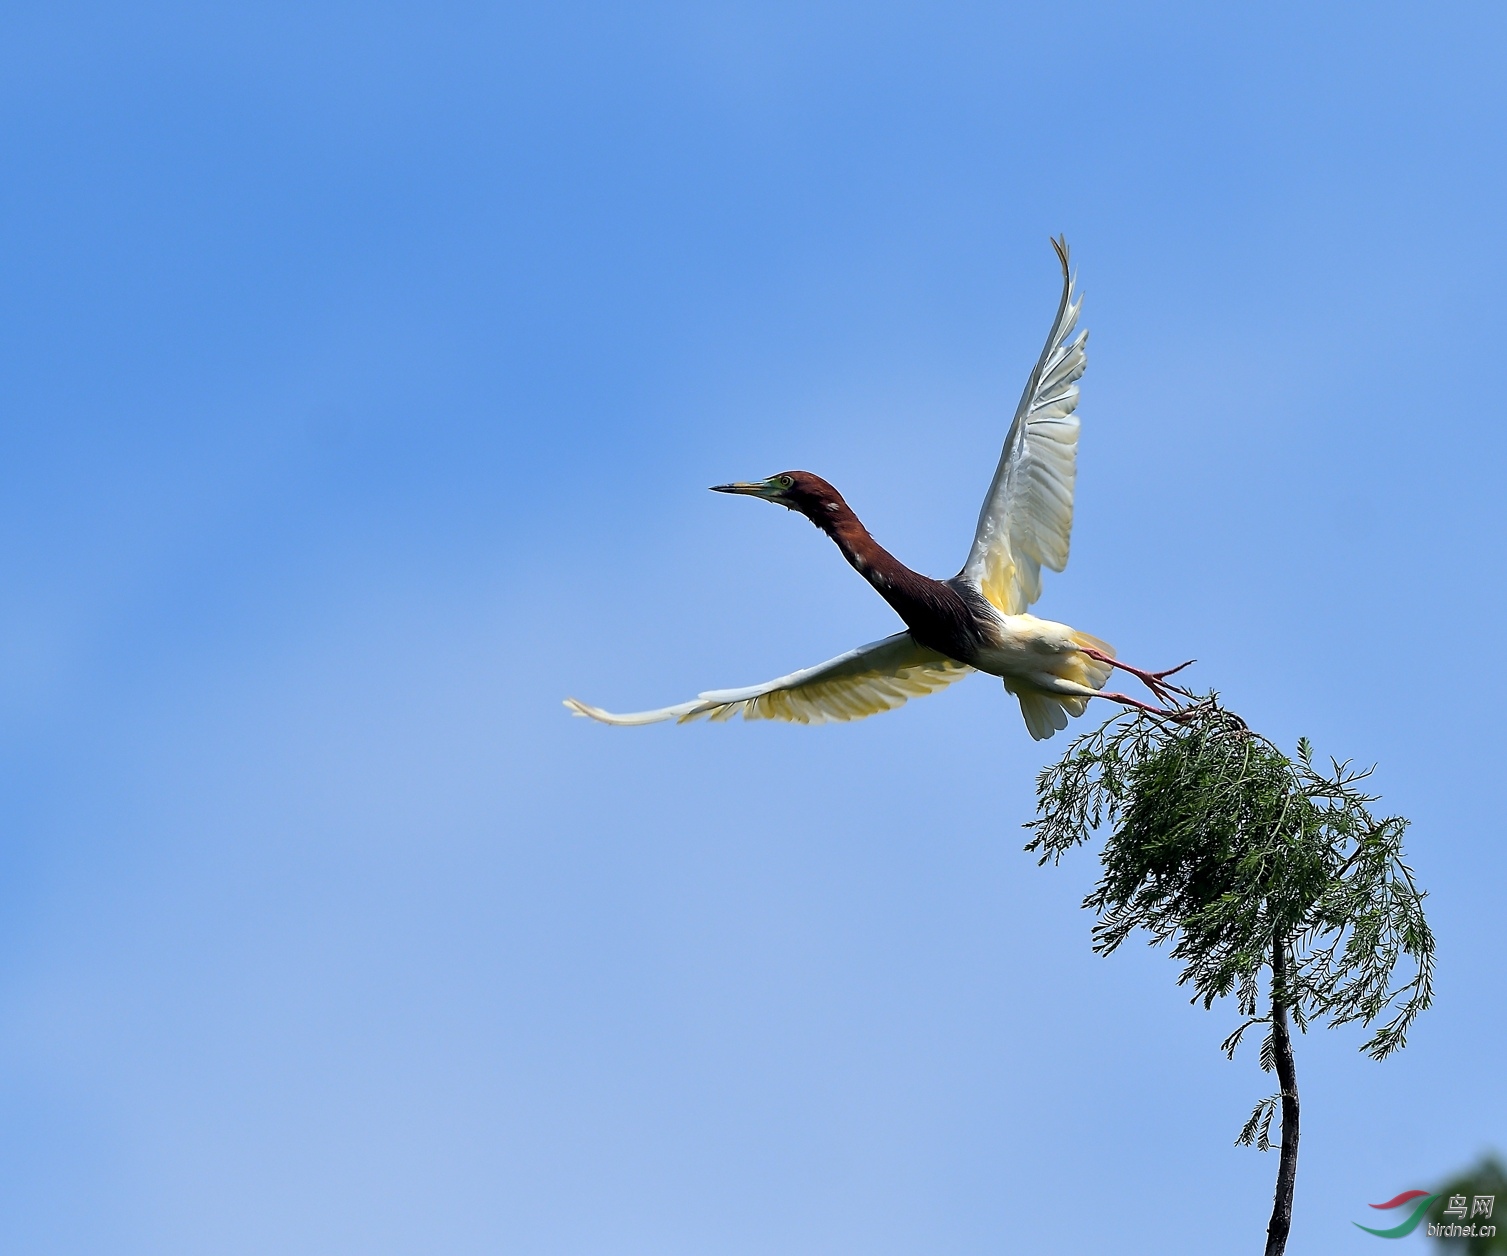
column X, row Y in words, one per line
column 362, row 369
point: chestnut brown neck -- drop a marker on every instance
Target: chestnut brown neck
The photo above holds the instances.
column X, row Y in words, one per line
column 867, row 557
column 934, row 611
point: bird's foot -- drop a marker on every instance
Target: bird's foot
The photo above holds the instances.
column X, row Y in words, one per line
column 1171, row 712
column 1154, row 681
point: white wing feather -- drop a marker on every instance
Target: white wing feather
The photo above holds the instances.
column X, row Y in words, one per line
column 876, row 677
column 1027, row 517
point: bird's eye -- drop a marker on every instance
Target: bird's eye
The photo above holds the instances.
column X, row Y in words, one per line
column 784, row 481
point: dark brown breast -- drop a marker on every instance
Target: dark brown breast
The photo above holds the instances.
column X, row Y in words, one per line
column 938, row 615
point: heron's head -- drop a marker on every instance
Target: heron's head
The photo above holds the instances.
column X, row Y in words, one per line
column 795, row 490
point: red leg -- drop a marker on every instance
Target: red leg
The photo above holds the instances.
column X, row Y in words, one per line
column 1154, row 681
column 1127, row 700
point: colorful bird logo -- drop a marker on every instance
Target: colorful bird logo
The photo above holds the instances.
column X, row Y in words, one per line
column 1407, row 1227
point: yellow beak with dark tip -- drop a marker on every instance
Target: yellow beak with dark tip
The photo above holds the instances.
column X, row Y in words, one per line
column 760, row 488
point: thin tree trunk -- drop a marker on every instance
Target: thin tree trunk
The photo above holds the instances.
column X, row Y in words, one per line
column 1287, row 1078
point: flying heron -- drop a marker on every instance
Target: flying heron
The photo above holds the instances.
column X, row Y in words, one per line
column 977, row 620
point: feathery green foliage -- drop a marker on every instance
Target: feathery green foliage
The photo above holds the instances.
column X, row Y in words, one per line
column 1236, row 854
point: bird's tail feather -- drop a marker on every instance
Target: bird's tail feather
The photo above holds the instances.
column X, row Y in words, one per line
column 1046, row 713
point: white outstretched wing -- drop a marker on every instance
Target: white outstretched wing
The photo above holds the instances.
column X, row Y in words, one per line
column 1027, row 517
column 876, row 677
